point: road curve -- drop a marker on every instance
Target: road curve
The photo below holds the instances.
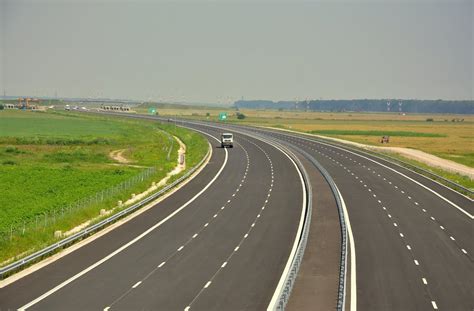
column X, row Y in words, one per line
column 413, row 236
column 224, row 248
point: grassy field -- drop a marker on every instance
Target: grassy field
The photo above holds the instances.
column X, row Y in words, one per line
column 443, row 137
column 49, row 161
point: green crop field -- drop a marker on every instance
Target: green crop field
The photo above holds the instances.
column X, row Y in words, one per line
column 447, row 136
column 375, row 133
column 50, row 161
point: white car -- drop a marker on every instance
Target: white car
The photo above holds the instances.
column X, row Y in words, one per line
column 227, row 140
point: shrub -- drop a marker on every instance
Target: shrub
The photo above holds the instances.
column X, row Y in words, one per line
column 429, row 120
column 11, row 149
column 240, row 116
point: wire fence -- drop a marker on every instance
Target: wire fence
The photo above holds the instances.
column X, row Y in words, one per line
column 49, row 218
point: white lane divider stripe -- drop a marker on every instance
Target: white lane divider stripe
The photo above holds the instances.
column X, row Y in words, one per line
column 120, row 249
column 137, row 284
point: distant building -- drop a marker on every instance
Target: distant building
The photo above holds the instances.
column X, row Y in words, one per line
column 115, row 108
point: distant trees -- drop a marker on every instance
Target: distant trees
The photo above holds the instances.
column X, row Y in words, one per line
column 366, row 105
column 240, row 115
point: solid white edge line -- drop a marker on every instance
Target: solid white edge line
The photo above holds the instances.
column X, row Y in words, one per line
column 281, row 283
column 329, row 138
column 414, row 181
column 148, row 231
column 353, row 303
column 47, row 261
column 400, row 173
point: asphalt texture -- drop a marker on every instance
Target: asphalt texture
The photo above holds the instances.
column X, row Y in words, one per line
column 228, row 248
column 413, row 249
column 224, row 251
column 316, row 286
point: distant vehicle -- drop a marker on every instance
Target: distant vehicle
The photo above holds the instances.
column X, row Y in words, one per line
column 227, row 140
column 67, row 107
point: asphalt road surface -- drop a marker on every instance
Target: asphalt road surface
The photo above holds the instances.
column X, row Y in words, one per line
column 232, row 227
column 225, row 250
column 413, row 237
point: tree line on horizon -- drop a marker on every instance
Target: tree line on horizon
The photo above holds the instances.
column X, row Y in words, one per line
column 365, row 105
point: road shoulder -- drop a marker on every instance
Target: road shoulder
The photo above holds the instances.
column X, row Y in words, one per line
column 316, row 285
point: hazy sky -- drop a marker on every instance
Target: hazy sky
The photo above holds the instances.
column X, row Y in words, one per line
column 210, row 51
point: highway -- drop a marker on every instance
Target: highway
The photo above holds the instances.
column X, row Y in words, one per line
column 222, row 248
column 222, row 241
column 413, row 237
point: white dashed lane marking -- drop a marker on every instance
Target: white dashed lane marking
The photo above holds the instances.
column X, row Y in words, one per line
column 370, row 190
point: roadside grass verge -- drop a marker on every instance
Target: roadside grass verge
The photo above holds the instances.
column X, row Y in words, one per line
column 449, row 140
column 457, row 178
column 375, row 133
column 55, row 176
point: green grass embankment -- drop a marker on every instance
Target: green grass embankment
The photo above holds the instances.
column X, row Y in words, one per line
column 52, row 161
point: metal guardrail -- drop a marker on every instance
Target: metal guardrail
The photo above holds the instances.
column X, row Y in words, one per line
column 6, row 270
column 344, row 244
column 296, row 263
column 291, row 277
column 384, row 157
column 415, row 168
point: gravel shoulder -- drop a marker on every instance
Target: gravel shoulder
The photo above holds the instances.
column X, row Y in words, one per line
column 429, row 159
column 417, row 155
